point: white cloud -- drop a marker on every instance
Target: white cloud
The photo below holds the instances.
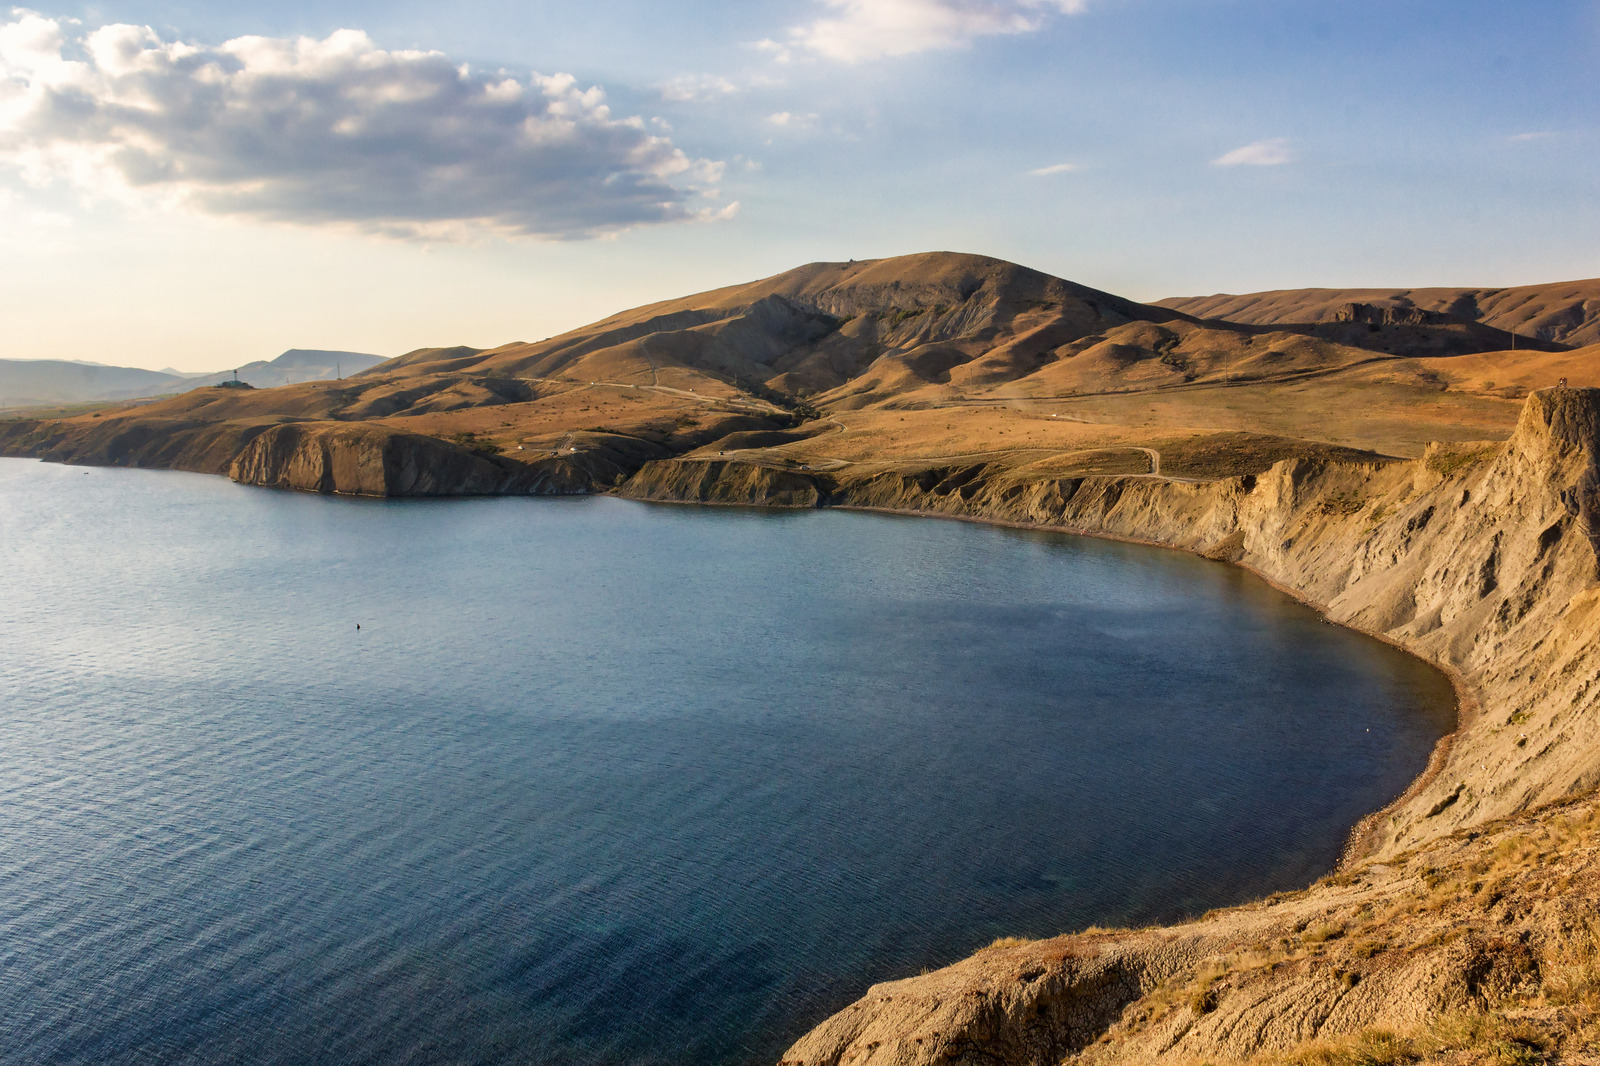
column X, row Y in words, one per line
column 860, row 30
column 333, row 131
column 1536, row 135
column 1058, row 168
column 1269, row 153
column 697, row 88
column 792, row 121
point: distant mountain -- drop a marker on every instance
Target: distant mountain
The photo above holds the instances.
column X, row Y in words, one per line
column 294, row 366
column 33, row 382
column 30, row 382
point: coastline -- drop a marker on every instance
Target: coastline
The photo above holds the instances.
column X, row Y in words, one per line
column 1473, row 565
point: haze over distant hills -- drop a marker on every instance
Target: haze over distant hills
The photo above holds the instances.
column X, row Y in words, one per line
column 297, row 365
column 30, row 382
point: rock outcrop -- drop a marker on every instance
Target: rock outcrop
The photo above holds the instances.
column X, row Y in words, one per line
column 1450, row 932
column 371, row 460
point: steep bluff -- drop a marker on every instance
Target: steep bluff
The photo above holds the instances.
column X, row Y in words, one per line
column 1478, row 558
column 348, row 458
column 366, row 460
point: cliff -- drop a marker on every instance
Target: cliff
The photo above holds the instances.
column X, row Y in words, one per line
column 368, row 460
column 1471, row 557
column 348, row 458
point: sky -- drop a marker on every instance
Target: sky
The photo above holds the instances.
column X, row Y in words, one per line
column 197, row 185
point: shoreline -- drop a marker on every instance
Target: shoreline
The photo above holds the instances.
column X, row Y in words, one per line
column 1468, row 561
column 1467, row 697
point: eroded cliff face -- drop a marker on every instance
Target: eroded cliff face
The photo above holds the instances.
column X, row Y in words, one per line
column 348, row 458
column 154, row 443
column 1477, row 558
column 368, row 460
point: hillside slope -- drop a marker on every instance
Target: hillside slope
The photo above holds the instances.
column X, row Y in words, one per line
column 1566, row 313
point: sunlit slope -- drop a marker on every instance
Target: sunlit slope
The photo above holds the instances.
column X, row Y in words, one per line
column 920, row 358
column 1567, row 312
column 930, row 328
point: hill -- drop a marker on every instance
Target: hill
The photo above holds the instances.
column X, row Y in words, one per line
column 33, row 382
column 1566, row 313
column 936, row 327
column 294, row 366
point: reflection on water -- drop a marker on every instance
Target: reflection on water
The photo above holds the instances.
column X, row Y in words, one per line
column 598, row 782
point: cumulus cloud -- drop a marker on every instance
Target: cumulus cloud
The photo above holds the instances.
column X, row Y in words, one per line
column 1269, row 153
column 333, row 131
column 860, row 30
column 1058, row 168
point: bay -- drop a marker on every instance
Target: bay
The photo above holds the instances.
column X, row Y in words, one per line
column 599, row 782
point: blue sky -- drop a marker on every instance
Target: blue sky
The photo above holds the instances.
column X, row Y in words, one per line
column 168, row 198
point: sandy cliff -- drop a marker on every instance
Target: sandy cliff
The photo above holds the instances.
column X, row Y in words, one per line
column 1470, row 557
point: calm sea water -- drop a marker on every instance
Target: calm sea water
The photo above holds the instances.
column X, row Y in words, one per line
column 604, row 783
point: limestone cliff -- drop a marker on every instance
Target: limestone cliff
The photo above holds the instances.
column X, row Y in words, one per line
column 1475, row 558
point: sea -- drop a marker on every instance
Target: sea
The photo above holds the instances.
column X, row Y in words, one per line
column 287, row 778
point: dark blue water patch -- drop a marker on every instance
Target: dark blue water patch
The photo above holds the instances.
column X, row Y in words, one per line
column 604, row 783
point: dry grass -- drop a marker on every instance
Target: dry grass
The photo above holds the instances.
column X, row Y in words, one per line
column 1321, row 934
column 1476, row 1038
column 1009, row 942
column 1450, row 463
